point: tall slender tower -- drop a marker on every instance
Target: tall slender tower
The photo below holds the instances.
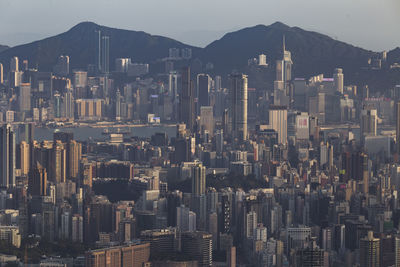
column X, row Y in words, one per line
column 105, row 54
column 7, row 156
column 198, row 180
column 186, row 100
column 1, row 74
column 238, row 110
column 97, row 49
column 338, row 78
column 203, row 89
column 398, row 126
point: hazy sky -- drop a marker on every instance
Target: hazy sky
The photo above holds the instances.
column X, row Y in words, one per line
column 372, row 24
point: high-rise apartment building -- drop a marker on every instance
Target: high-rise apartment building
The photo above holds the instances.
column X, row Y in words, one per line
column 198, row 179
column 238, row 109
column 7, row 156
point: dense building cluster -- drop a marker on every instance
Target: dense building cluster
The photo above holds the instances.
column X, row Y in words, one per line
column 304, row 173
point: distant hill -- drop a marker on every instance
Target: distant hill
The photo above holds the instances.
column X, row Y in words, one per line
column 3, row 48
column 312, row 53
column 79, row 42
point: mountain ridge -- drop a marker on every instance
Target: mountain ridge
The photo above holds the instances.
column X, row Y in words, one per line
column 312, row 53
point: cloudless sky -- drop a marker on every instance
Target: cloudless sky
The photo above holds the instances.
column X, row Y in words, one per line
column 371, row 24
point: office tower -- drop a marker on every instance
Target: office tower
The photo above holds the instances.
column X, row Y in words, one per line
column 284, row 66
column 14, row 64
column 186, row 101
column 370, row 251
column 97, row 50
column 24, row 157
column 338, row 79
column 1, row 74
column 24, row 97
column 207, row 120
column 198, row 246
column 105, row 54
column 62, row 66
column 198, row 179
column 238, row 109
column 278, row 122
column 368, row 122
column 7, row 156
column 203, row 89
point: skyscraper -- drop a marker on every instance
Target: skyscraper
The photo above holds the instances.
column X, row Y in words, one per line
column 14, row 64
column 368, row 122
column 97, row 50
column 398, row 126
column 186, row 100
column 7, row 156
column 284, row 66
column 338, row 78
column 370, row 251
column 278, row 122
column 24, row 97
column 238, row 109
column 62, row 66
column 198, row 179
column 203, row 89
column 105, row 54
column 1, row 74
column 38, row 181
column 69, row 104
